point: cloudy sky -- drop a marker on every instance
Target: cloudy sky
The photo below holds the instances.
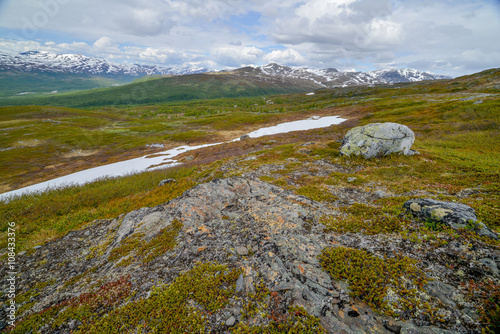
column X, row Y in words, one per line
column 452, row 37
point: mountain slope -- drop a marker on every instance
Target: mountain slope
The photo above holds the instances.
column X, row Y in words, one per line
column 172, row 88
column 37, row 72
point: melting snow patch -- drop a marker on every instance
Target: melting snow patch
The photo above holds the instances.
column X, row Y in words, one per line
column 156, row 145
column 314, row 122
column 163, row 159
column 310, row 94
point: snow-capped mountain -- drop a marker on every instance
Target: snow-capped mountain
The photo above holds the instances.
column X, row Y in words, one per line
column 48, row 62
column 331, row 77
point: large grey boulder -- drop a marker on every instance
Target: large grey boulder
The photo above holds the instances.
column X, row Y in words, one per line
column 455, row 215
column 378, row 139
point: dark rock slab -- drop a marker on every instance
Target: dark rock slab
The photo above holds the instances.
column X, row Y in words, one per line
column 455, row 215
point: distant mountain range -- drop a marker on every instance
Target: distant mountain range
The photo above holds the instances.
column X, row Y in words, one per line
column 38, row 61
column 331, row 77
column 48, row 62
column 39, row 72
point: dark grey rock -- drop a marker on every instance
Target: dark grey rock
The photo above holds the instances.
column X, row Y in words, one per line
column 242, row 251
column 240, row 285
column 442, row 291
column 283, row 286
column 166, row 181
column 131, row 220
column 243, row 137
column 455, row 215
column 490, row 264
column 392, row 327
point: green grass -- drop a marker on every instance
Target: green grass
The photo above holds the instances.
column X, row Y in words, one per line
column 41, row 217
column 13, row 83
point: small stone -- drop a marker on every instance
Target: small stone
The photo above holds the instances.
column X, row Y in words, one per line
column 283, row 286
column 166, row 181
column 490, row 264
column 243, row 137
column 351, row 179
column 392, row 326
column 230, row 322
column 189, row 158
column 335, row 294
column 240, row 285
column 21, row 253
column 242, row 251
column 381, row 193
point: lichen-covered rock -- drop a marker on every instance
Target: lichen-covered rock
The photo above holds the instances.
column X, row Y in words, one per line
column 455, row 215
column 378, row 139
column 269, row 236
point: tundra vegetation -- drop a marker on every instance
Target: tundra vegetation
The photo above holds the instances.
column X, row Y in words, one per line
column 457, row 128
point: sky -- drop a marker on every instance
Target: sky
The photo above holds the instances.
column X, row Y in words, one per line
column 451, row 37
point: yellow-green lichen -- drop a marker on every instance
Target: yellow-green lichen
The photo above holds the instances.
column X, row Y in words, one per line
column 179, row 307
column 296, row 320
column 439, row 213
column 368, row 219
column 86, row 307
column 371, row 277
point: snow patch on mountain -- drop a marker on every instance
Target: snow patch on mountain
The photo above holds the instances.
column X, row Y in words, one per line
column 41, row 61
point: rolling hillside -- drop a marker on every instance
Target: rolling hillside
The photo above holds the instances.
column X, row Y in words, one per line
column 171, row 89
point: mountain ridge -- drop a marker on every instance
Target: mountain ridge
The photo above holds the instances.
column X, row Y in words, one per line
column 47, row 62
column 42, row 61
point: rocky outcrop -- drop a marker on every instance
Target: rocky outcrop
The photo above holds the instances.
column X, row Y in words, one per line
column 378, row 139
column 455, row 215
column 272, row 235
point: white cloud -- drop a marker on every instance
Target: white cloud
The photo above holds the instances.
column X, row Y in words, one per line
column 453, row 37
column 285, row 57
column 105, row 43
column 236, row 56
